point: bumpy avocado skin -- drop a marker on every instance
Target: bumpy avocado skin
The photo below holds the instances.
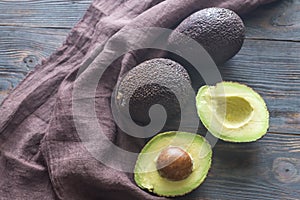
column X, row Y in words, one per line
column 144, row 86
column 220, row 31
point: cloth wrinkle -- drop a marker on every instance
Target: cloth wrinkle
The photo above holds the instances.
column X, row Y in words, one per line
column 42, row 155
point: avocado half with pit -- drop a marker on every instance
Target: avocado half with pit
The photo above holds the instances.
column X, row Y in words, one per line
column 173, row 163
column 232, row 112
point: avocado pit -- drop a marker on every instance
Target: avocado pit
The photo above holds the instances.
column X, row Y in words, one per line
column 175, row 164
column 171, row 156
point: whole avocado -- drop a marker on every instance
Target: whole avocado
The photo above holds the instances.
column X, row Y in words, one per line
column 155, row 81
column 220, row 31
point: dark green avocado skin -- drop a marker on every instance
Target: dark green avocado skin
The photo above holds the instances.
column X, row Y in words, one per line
column 145, row 85
column 220, row 31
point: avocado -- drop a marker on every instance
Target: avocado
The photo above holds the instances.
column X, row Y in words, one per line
column 220, row 31
column 232, row 112
column 155, row 81
column 173, row 163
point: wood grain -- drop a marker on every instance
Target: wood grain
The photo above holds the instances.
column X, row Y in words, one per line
column 264, row 170
column 272, row 69
column 277, row 21
column 42, row 13
column 21, row 49
column 30, row 33
column 30, row 30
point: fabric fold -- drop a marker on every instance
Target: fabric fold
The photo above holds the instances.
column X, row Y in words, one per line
column 42, row 156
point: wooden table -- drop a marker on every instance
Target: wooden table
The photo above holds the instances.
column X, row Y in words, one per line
column 269, row 62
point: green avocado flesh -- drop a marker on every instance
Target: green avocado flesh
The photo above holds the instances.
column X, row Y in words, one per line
column 232, row 112
column 147, row 176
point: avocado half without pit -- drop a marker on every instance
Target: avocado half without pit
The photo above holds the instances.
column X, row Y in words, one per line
column 233, row 112
column 173, row 163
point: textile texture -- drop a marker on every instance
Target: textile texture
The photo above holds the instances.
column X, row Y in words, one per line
column 41, row 153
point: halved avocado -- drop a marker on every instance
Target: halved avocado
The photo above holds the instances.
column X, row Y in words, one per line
column 173, row 163
column 232, row 112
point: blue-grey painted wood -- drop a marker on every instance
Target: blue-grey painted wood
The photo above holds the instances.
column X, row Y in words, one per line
column 42, row 13
column 277, row 21
column 272, row 69
column 31, row 31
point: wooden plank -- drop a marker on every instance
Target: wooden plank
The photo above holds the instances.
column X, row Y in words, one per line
column 21, row 49
column 268, row 67
column 277, row 21
column 272, row 69
column 31, row 31
column 264, row 170
column 42, row 13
